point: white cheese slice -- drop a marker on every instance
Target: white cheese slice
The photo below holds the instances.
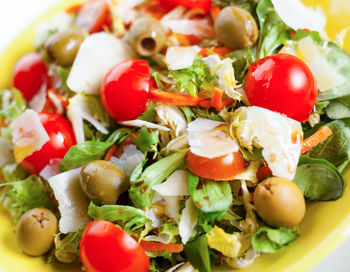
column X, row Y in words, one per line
column 188, row 220
column 181, row 57
column 198, row 27
column 326, row 76
column 28, row 135
column 175, row 185
column 77, row 111
column 72, row 202
column 207, row 140
column 141, row 123
column 96, row 56
column 297, row 16
column 173, row 117
column 279, row 136
column 50, row 170
column 129, row 160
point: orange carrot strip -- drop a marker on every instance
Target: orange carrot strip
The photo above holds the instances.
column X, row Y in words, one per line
column 159, row 247
column 222, row 51
column 205, row 103
column 214, row 11
column 227, row 102
column 216, row 99
column 315, row 139
column 74, row 8
column 263, row 172
column 188, row 40
column 174, row 98
column 110, row 152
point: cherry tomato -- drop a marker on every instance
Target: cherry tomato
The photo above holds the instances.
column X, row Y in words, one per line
column 30, row 75
column 94, row 16
column 203, row 5
column 124, row 90
column 61, row 136
column 104, row 247
column 282, row 83
column 220, row 168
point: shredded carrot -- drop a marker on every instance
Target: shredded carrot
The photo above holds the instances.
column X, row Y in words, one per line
column 159, row 247
column 174, row 98
column 206, row 51
column 64, row 100
column 263, row 172
column 110, row 152
column 315, row 139
column 74, row 8
column 227, row 102
column 216, row 99
column 188, row 40
column 205, row 103
column 214, row 11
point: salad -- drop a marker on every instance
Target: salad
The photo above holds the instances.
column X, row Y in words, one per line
column 172, row 135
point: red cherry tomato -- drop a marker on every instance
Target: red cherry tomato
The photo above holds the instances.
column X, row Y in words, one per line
column 220, row 168
column 124, row 90
column 104, row 247
column 61, row 136
column 204, row 5
column 30, row 75
column 94, row 16
column 282, row 83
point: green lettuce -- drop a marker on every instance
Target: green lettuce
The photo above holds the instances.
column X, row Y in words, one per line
column 129, row 217
column 270, row 240
column 197, row 253
column 193, row 78
column 318, row 179
column 25, row 195
column 142, row 180
column 13, row 105
column 147, row 140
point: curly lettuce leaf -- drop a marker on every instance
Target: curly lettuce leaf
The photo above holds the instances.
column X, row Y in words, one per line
column 197, row 252
column 25, row 195
column 12, row 104
column 131, row 218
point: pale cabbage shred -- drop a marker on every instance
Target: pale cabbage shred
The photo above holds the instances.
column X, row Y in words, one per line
column 74, row 215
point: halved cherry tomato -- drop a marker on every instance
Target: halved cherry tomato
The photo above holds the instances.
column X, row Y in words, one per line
column 94, row 16
column 30, row 75
column 282, row 83
column 61, row 136
column 221, row 168
column 203, row 5
column 124, row 90
column 104, row 247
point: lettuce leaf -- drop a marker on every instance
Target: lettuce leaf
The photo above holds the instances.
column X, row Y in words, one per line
column 273, row 31
column 193, row 78
column 131, row 218
column 336, row 148
column 25, row 195
column 270, row 240
column 12, row 104
column 318, row 179
column 142, row 180
column 197, row 252
column 147, row 140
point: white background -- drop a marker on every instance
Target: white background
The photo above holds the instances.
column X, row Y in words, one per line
column 16, row 14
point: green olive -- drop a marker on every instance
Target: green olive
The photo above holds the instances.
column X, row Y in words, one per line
column 236, row 28
column 279, row 202
column 103, row 182
column 63, row 46
column 147, row 36
column 36, row 231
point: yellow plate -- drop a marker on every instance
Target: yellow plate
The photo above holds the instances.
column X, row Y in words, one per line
column 325, row 226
